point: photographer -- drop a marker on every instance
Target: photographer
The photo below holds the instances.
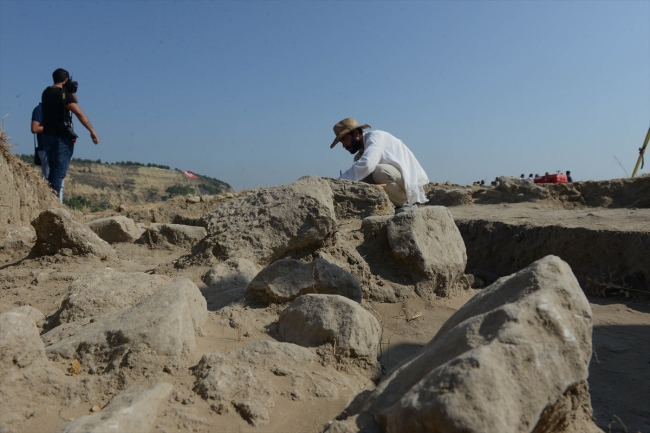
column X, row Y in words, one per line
column 59, row 101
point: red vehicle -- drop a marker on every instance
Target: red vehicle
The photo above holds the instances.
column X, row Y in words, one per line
column 552, row 178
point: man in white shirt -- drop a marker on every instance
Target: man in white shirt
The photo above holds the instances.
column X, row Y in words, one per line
column 382, row 159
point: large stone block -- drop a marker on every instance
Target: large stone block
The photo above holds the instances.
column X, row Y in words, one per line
column 128, row 412
column 359, row 199
column 105, row 291
column 286, row 279
column 175, row 234
column 159, row 330
column 57, row 232
column 268, row 223
column 227, row 281
column 314, row 320
column 425, row 243
column 115, row 229
column 27, row 377
column 250, row 379
column 514, row 359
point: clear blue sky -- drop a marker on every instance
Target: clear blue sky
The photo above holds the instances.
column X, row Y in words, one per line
column 248, row 91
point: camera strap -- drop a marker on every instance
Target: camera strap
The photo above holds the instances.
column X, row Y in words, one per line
column 67, row 120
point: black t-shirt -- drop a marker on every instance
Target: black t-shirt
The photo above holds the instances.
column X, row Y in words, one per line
column 55, row 115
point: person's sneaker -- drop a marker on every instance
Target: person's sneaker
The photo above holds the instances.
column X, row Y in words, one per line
column 405, row 208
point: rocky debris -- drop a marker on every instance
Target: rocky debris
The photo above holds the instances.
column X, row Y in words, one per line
column 286, row 279
column 175, row 234
column 227, row 281
column 314, row 320
column 26, row 376
column 57, row 232
column 105, row 291
column 159, row 330
column 248, row 379
column 514, row 358
column 426, row 245
column 115, row 229
column 268, row 223
column 359, row 199
column 128, row 412
column 193, row 199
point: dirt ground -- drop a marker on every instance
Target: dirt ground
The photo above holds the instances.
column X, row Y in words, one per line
column 619, row 373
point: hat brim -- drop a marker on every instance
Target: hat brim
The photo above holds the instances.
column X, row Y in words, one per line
column 346, row 132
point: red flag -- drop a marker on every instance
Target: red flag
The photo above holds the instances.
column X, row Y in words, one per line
column 189, row 174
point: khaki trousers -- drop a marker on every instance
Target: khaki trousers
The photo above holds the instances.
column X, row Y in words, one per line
column 389, row 176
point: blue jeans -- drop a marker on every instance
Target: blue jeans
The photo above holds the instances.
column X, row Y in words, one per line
column 59, row 153
column 45, row 165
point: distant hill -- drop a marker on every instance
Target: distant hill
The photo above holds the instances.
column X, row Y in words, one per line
column 101, row 186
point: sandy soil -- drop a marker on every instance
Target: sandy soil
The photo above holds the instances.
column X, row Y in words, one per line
column 619, row 373
column 623, row 220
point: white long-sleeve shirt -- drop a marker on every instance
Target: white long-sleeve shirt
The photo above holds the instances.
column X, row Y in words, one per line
column 380, row 147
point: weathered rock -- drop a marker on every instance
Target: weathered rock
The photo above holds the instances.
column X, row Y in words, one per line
column 504, row 362
column 338, row 427
column 107, row 290
column 115, row 229
column 492, row 193
column 227, row 281
column 359, row 199
column 158, row 330
column 284, row 280
column 57, row 232
column 20, row 343
column 313, row 320
column 233, row 273
column 31, row 313
column 427, row 245
column 15, row 238
column 128, row 412
column 26, row 375
column 268, row 223
column 175, row 234
column 508, row 184
column 234, row 379
column 249, row 378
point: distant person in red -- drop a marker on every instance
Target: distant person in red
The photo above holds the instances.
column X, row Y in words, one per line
column 58, row 102
column 568, row 176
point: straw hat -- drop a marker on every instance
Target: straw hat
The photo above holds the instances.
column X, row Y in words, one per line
column 344, row 127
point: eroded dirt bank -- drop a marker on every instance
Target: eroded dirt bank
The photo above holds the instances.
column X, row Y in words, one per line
column 604, row 247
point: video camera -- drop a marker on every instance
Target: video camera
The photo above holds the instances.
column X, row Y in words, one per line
column 71, row 86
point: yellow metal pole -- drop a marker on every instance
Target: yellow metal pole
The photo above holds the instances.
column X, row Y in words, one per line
column 641, row 152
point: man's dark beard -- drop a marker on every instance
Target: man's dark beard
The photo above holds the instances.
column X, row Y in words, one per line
column 355, row 145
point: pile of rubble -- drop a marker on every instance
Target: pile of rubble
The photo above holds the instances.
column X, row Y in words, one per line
column 514, row 358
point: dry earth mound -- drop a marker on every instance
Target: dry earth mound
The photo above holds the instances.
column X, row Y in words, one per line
column 614, row 193
column 23, row 194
